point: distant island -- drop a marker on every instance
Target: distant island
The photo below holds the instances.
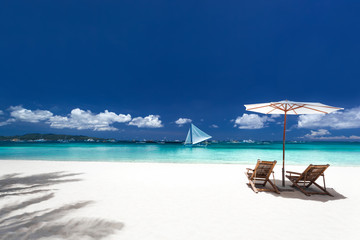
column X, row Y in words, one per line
column 38, row 137
column 62, row 138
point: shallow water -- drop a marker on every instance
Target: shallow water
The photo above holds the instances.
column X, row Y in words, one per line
column 334, row 153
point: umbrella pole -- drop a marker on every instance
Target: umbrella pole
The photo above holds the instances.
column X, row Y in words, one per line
column 283, row 168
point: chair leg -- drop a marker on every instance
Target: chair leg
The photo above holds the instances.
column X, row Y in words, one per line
column 274, row 186
column 264, row 184
column 302, row 190
column 323, row 189
column 253, row 186
column 251, row 183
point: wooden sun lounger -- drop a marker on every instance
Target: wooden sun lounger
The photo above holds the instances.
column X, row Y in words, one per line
column 304, row 180
column 262, row 172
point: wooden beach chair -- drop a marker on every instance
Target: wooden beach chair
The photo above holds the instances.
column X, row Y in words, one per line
column 304, row 180
column 262, row 172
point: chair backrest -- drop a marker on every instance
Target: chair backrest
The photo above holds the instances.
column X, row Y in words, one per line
column 312, row 172
column 263, row 169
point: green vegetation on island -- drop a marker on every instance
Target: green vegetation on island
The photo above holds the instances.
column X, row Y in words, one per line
column 38, row 137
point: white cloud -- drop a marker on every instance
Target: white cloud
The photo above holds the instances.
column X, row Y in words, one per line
column 353, row 137
column 275, row 115
column 214, row 126
column 321, row 135
column 338, row 120
column 77, row 119
column 320, row 132
column 182, row 121
column 151, row 121
column 26, row 115
column 1, row 112
column 7, row 122
column 251, row 121
column 271, row 118
column 80, row 120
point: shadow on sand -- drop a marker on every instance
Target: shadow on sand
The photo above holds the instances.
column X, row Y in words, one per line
column 16, row 222
column 297, row 194
column 14, row 184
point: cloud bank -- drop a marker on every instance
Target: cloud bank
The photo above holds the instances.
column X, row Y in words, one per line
column 80, row 119
column 7, row 122
column 353, row 137
column 323, row 134
column 26, row 115
column 338, row 120
column 151, row 121
column 182, row 121
column 320, row 132
column 253, row 121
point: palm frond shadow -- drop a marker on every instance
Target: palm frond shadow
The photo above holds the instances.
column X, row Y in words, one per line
column 15, row 184
column 17, row 223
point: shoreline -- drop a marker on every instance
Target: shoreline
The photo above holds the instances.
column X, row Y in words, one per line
column 171, row 162
column 298, row 154
column 155, row 201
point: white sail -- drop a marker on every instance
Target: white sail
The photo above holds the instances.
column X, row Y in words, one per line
column 198, row 135
column 188, row 137
column 195, row 135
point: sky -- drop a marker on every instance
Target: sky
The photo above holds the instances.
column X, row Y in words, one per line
column 146, row 69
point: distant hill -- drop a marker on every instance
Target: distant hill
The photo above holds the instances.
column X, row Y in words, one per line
column 37, row 137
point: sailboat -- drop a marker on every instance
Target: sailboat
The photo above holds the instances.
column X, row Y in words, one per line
column 195, row 136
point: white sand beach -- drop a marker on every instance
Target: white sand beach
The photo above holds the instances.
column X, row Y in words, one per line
column 158, row 201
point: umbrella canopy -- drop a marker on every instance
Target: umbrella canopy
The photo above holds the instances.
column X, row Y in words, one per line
column 290, row 107
column 293, row 108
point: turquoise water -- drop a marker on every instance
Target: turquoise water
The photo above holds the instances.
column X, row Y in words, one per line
column 340, row 154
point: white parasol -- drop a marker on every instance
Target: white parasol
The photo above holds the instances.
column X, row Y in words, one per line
column 293, row 108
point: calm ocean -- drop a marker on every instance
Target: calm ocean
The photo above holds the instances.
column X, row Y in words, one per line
column 334, row 153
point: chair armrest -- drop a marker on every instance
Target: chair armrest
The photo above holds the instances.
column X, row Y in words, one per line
column 293, row 172
column 249, row 169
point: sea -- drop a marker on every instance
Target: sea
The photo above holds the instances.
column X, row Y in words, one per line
column 297, row 153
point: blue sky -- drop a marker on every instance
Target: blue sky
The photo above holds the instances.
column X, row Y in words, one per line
column 149, row 63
